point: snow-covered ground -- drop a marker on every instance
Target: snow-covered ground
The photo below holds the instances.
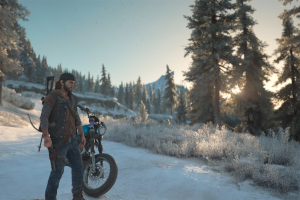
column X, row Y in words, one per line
column 142, row 175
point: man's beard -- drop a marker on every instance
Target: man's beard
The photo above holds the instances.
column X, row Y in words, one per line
column 67, row 89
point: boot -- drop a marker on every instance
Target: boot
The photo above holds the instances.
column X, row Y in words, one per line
column 79, row 197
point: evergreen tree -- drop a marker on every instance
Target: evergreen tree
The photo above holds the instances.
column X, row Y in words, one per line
column 84, row 84
column 154, row 102
column 89, row 83
column 58, row 72
column 151, row 95
column 143, row 115
column 170, row 90
column 27, row 64
column 131, row 96
column 109, row 87
column 127, row 95
column 181, row 109
column 148, row 106
column 39, row 71
column 121, row 94
column 144, row 95
column 138, row 91
column 80, row 83
column 200, row 97
column 97, row 85
column 92, row 84
column 211, row 47
column 43, row 71
column 292, row 12
column 104, row 83
column 288, row 51
column 10, row 12
column 112, row 91
column 254, row 101
column 157, row 105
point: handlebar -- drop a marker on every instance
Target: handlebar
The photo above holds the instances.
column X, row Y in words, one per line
column 84, row 109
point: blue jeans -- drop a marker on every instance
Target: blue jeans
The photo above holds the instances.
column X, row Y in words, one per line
column 71, row 151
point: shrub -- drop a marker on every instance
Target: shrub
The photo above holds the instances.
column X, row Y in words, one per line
column 17, row 99
column 262, row 153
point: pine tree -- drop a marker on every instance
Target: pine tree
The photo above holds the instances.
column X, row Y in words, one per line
column 97, row 85
column 84, row 84
column 181, row 109
column 112, row 91
column 254, row 101
column 131, row 96
column 121, row 94
column 80, row 83
column 144, row 95
column 148, row 106
column 89, row 85
column 27, row 64
column 200, row 107
column 39, row 71
column 151, row 95
column 103, row 80
column 157, row 105
column 138, row 91
column 92, row 84
column 288, row 52
column 170, row 90
column 45, row 68
column 10, row 12
column 154, row 102
column 292, row 12
column 211, row 48
column 109, row 87
column 58, row 72
column 143, row 115
column 127, row 95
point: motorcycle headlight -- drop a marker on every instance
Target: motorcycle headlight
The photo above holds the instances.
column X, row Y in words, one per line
column 101, row 130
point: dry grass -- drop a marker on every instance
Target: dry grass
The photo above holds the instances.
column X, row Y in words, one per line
column 271, row 161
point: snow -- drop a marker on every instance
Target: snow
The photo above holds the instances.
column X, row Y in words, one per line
column 142, row 175
column 22, row 83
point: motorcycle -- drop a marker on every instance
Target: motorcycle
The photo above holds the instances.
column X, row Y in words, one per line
column 100, row 171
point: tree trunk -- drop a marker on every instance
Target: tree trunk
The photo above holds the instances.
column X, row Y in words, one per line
column 1, row 78
column 217, row 86
column 294, row 86
column 217, row 103
column 295, row 133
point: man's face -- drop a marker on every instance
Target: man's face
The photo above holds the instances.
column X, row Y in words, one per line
column 68, row 86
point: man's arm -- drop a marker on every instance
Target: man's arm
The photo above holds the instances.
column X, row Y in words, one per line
column 83, row 141
column 47, row 108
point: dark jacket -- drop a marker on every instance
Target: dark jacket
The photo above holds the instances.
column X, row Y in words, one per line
column 61, row 121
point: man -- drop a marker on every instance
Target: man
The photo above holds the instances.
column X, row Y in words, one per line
column 59, row 118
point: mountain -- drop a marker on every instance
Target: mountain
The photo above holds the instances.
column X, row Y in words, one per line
column 161, row 82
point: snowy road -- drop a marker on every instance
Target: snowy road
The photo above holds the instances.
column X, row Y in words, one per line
column 142, row 175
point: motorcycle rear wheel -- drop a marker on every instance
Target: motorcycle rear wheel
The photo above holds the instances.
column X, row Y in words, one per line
column 100, row 182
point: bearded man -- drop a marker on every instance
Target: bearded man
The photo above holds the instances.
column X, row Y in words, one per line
column 59, row 118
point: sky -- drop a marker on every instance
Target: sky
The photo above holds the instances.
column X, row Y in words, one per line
column 131, row 38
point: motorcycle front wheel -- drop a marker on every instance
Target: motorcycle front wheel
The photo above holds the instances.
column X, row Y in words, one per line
column 98, row 183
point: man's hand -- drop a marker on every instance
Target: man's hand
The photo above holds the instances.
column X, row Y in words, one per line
column 83, row 141
column 47, row 142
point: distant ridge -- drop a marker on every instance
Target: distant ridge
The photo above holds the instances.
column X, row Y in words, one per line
column 160, row 83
